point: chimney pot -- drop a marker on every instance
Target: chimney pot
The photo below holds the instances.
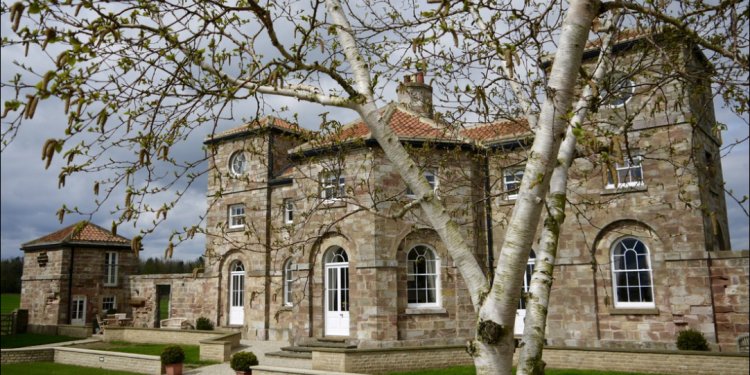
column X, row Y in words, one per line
column 420, row 77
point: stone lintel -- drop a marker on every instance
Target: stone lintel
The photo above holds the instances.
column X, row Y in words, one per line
column 377, row 263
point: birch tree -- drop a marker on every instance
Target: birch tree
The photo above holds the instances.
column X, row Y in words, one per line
column 135, row 79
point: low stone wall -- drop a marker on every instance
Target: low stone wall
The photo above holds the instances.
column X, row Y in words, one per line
column 142, row 364
column 158, row 335
column 22, row 355
column 62, row 330
column 375, row 361
column 648, row 361
column 219, row 348
column 214, row 345
column 75, row 331
column 271, row 370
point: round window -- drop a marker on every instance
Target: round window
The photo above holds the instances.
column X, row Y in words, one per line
column 237, row 163
column 618, row 88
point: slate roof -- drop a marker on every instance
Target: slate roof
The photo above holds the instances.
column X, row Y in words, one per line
column 81, row 233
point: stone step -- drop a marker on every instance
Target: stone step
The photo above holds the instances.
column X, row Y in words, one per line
column 290, row 354
column 301, row 349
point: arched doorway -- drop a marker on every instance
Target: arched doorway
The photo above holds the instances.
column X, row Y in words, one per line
column 336, row 292
column 237, row 294
column 521, row 311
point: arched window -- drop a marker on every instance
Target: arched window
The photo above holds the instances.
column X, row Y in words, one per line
column 423, row 277
column 336, row 255
column 288, row 280
column 631, row 274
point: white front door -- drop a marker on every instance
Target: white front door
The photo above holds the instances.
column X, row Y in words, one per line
column 337, row 294
column 521, row 311
column 237, row 294
column 78, row 311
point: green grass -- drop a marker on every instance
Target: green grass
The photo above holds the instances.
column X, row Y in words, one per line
column 469, row 370
column 44, row 368
column 192, row 354
column 164, row 307
column 9, row 302
column 30, row 339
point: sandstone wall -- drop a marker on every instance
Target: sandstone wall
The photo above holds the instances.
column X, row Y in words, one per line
column 190, row 297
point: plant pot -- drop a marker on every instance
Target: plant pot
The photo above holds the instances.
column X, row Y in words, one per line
column 174, row 369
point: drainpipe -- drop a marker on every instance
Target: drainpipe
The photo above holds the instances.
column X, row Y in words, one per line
column 70, row 285
column 488, row 217
column 269, row 176
column 709, row 263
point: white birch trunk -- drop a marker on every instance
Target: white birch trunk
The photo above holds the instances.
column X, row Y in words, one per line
column 377, row 123
column 497, row 313
column 537, row 305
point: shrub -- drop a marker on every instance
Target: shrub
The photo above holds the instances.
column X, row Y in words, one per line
column 204, row 324
column 241, row 361
column 691, row 339
column 172, row 354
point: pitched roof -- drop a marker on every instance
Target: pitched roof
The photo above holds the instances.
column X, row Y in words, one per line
column 406, row 124
column 498, row 131
column 263, row 123
column 82, row 232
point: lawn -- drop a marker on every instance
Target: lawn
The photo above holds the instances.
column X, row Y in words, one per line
column 192, row 355
column 469, row 370
column 44, row 368
column 9, row 302
column 30, row 339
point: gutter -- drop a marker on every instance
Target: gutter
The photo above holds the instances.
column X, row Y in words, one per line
column 70, row 285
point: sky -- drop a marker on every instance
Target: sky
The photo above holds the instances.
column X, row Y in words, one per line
column 30, row 196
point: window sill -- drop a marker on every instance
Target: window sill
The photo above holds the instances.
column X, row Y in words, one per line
column 634, row 311
column 285, row 308
column 231, row 230
column 332, row 203
column 624, row 189
column 425, row 311
column 507, row 202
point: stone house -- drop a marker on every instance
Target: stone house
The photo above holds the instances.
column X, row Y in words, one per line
column 300, row 243
column 75, row 273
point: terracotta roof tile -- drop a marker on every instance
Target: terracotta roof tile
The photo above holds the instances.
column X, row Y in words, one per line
column 405, row 124
column 81, row 232
column 267, row 121
column 497, row 131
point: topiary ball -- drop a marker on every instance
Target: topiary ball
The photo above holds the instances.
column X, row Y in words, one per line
column 691, row 339
column 172, row 354
column 242, row 361
column 204, row 324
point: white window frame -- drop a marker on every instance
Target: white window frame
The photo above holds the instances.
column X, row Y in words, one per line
column 434, row 275
column 288, row 282
column 236, row 219
column 511, row 182
column 105, row 302
column 232, row 159
column 288, row 211
column 110, row 268
column 614, row 97
column 332, row 186
column 615, row 258
column 628, row 166
column 432, row 178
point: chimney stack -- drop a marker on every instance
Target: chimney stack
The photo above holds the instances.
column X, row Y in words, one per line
column 415, row 95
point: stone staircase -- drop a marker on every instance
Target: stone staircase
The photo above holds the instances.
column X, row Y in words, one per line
column 303, row 350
